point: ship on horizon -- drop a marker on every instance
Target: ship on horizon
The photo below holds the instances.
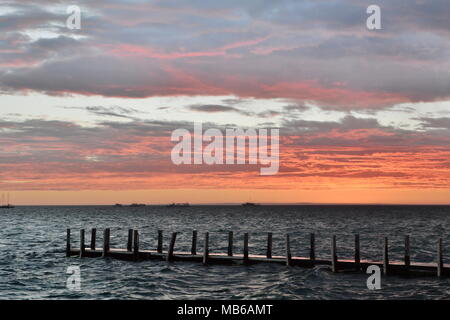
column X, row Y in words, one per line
column 7, row 205
column 250, row 204
column 173, row 205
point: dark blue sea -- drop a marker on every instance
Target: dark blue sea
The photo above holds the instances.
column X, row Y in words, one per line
column 33, row 263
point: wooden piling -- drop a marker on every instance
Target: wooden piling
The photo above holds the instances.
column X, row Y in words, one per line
column 288, row 251
column 130, row 240
column 230, row 243
column 385, row 256
column 68, row 243
column 159, row 248
column 136, row 244
column 440, row 263
column 407, row 255
column 93, row 238
column 206, row 249
column 333, row 255
column 106, row 238
column 312, row 247
column 245, row 248
column 82, row 246
column 194, row 243
column 357, row 252
column 171, row 247
column 269, row 245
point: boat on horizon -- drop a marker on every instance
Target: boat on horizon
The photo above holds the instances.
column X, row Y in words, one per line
column 7, row 205
column 173, row 205
column 250, row 204
column 137, row 205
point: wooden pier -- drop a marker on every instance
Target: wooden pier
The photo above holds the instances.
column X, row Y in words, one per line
column 134, row 253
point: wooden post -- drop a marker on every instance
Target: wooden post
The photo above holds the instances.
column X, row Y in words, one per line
column 230, row 243
column 93, row 238
column 68, row 243
column 206, row 249
column 136, row 244
column 440, row 264
column 269, row 245
column 357, row 252
column 312, row 247
column 106, row 235
column 407, row 256
column 194, row 243
column 288, row 251
column 130, row 240
column 171, row 247
column 245, row 248
column 82, row 246
column 333, row 255
column 159, row 248
column 385, row 256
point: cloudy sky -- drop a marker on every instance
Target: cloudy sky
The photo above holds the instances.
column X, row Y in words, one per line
column 86, row 115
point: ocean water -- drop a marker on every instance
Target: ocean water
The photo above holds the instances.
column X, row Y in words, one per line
column 33, row 263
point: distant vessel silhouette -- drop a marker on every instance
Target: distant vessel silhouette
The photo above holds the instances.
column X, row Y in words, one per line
column 137, row 205
column 172, row 205
column 250, row 204
column 7, row 205
column 118, row 205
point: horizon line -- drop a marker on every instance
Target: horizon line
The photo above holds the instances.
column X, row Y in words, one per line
column 240, row 203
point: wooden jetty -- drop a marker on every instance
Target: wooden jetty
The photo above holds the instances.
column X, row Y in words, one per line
column 134, row 253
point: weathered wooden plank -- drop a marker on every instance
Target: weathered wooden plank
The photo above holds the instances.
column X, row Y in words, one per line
column 230, row 243
column 245, row 258
column 82, row 245
column 288, row 250
column 385, row 256
column 206, row 249
column 171, row 247
column 130, row 240
column 269, row 245
column 334, row 266
column 136, row 244
column 93, row 238
column 357, row 252
column 440, row 259
column 159, row 247
column 68, row 243
column 407, row 253
column 312, row 247
column 194, row 243
column 106, row 238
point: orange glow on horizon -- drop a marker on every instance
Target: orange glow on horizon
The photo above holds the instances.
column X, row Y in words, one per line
column 203, row 196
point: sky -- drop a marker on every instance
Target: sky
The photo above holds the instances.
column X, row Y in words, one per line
column 86, row 115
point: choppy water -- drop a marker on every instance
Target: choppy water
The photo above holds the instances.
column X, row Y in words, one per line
column 33, row 263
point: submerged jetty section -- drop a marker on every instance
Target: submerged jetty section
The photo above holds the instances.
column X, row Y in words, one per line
column 134, row 253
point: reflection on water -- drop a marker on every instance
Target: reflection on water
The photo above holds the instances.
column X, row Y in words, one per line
column 33, row 262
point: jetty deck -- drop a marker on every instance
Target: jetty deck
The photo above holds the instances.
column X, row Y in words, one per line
column 133, row 253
